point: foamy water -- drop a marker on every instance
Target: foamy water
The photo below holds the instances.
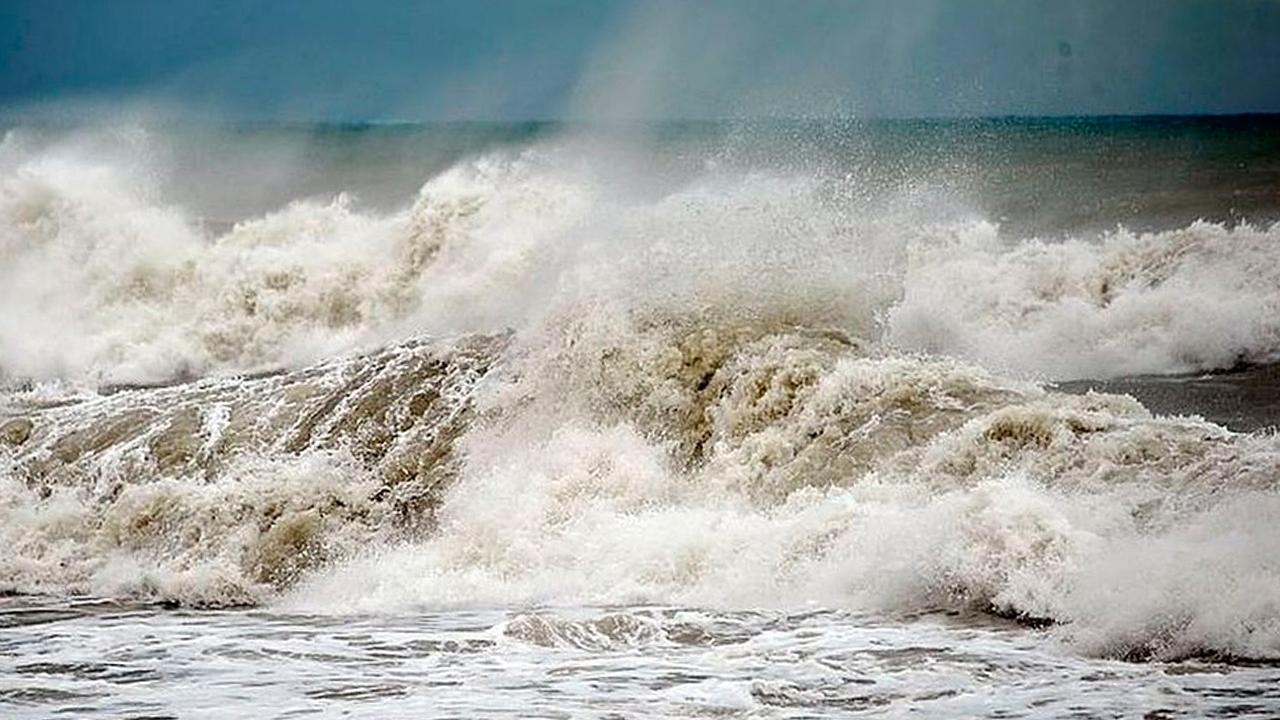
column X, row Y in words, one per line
column 567, row 433
column 587, row 662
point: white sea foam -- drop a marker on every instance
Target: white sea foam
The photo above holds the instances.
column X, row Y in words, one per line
column 1198, row 298
column 103, row 281
column 726, row 390
column 876, row 484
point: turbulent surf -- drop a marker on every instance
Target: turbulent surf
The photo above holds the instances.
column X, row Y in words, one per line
column 565, row 374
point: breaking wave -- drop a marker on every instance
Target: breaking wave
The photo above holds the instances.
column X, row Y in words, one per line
column 105, row 284
column 738, row 389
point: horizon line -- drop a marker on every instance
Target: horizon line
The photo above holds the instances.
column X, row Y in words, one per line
column 81, row 119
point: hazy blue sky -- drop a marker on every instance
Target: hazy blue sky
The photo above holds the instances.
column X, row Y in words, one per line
column 500, row 59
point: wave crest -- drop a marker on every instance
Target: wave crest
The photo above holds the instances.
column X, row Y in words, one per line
column 729, row 389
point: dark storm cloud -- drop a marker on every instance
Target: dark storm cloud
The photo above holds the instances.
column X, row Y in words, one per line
column 324, row 59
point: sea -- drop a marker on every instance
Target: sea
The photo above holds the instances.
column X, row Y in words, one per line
column 777, row 418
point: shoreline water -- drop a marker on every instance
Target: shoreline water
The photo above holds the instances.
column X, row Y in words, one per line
column 805, row 407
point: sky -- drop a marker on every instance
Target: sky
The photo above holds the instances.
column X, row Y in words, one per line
column 385, row 60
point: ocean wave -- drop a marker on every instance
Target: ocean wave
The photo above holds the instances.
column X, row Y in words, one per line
column 735, row 391
column 222, row 491
column 1203, row 297
column 779, row 468
column 106, row 284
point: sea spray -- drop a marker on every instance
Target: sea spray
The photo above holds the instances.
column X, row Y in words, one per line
column 543, row 381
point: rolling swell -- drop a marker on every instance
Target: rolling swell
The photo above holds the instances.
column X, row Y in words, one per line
column 735, row 392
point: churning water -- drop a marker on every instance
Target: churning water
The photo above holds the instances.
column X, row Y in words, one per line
column 774, row 420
